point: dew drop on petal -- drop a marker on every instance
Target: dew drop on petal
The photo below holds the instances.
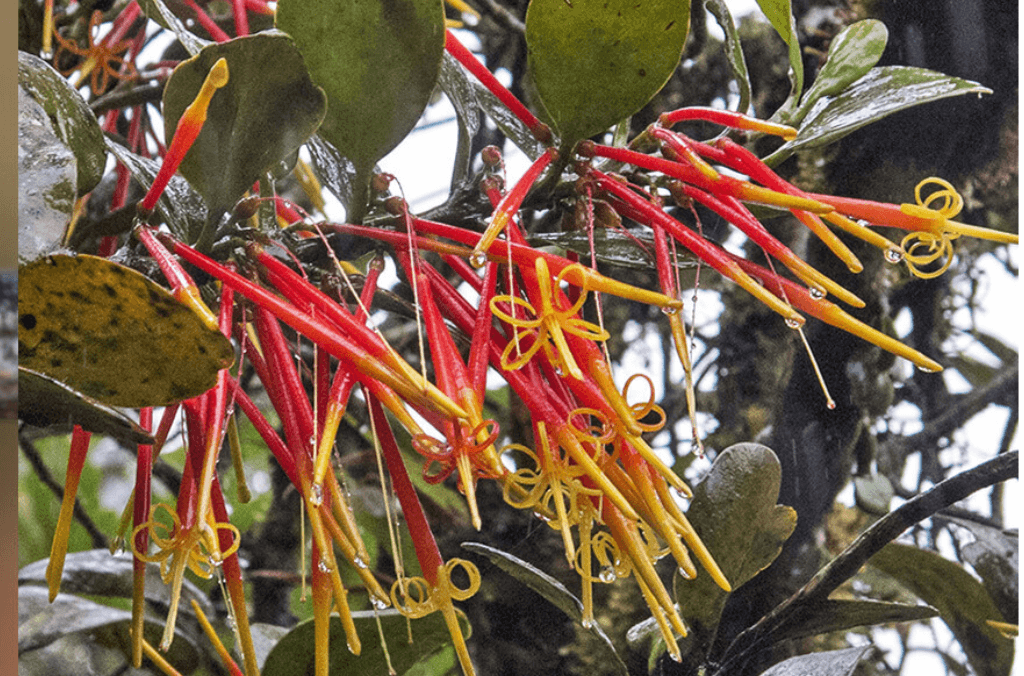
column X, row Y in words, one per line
column 817, row 293
column 323, row 567
column 350, row 647
column 478, row 259
column 378, row 602
column 925, row 369
column 893, row 256
column 587, row 623
column 792, row 323
column 316, row 495
column 831, row 405
column 607, row 574
column 359, row 562
column 670, row 310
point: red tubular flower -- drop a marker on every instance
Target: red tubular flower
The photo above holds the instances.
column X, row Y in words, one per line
column 58, row 550
column 142, row 497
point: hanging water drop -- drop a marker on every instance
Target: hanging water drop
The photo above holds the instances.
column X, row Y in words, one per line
column 607, row 575
column 316, row 494
column 323, row 567
column 587, row 622
column 670, row 310
column 478, row 259
column 893, row 255
column 817, row 293
column 792, row 323
column 378, row 602
column 358, row 562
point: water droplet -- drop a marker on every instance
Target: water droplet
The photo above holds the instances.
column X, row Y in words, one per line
column 323, row 567
column 559, row 372
column 831, row 405
column 670, row 310
column 359, row 562
column 685, row 574
column 587, row 623
column 793, row 323
column 675, row 655
column 607, row 574
column 316, row 495
column 379, row 603
column 312, row 442
column 926, row 369
column 893, row 255
column 350, row 647
column 478, row 259
column 46, row 55
column 817, row 293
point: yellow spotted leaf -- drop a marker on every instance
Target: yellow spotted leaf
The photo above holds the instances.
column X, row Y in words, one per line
column 112, row 334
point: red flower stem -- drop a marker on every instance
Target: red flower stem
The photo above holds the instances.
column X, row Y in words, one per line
column 277, row 447
column 323, row 593
column 481, row 332
column 711, row 254
column 511, row 201
column 337, row 343
column 241, row 18
column 286, row 211
column 260, row 7
column 182, row 285
column 301, row 291
column 76, row 461
column 122, row 23
column 539, row 130
column 140, row 514
column 726, row 118
column 233, row 578
column 189, row 125
column 215, row 31
column 427, row 552
column 832, row 314
column 281, row 374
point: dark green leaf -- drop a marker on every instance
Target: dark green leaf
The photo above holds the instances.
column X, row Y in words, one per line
column 960, row 599
column 733, row 50
column 264, row 638
column 831, row 663
column 72, row 118
column 735, row 513
column 880, row 93
column 995, row 556
column 377, row 62
column 182, row 208
column 160, row 13
column 851, row 55
column 612, row 247
column 268, row 109
column 873, row 493
column 294, row 653
column 43, row 401
column 978, row 374
column 842, row 615
column 596, row 62
column 780, row 16
column 552, row 590
column 1000, row 349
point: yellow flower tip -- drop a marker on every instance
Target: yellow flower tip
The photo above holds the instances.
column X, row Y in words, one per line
column 218, row 76
column 1005, row 628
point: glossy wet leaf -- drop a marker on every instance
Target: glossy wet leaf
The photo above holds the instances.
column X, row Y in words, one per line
column 780, row 16
column 733, row 50
column 882, row 92
column 552, row 590
column 831, row 663
column 72, row 118
column 873, row 493
column 844, row 614
column 268, row 109
column 961, row 600
column 377, row 62
column 612, row 247
column 294, row 653
column 180, row 207
column 44, row 402
column 735, row 513
column 97, row 572
column 995, row 556
column 162, row 14
column 46, row 181
column 596, row 62
column 112, row 334
column 46, row 624
column 851, row 54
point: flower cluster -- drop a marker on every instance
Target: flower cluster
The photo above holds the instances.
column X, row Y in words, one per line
column 591, row 472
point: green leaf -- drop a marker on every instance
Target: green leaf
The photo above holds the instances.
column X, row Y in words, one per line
column 72, row 118
column 378, row 63
column 733, row 50
column 294, row 653
column 873, row 493
column 842, row 615
column 161, row 14
column 612, row 247
column 596, row 62
column 267, row 110
column 43, row 401
column 995, row 556
column 552, row 590
column 831, row 663
column 735, row 513
column 996, row 346
column 960, row 599
column 880, row 93
column 851, row 54
column 977, row 373
column 780, row 16
column 89, row 322
column 180, row 206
